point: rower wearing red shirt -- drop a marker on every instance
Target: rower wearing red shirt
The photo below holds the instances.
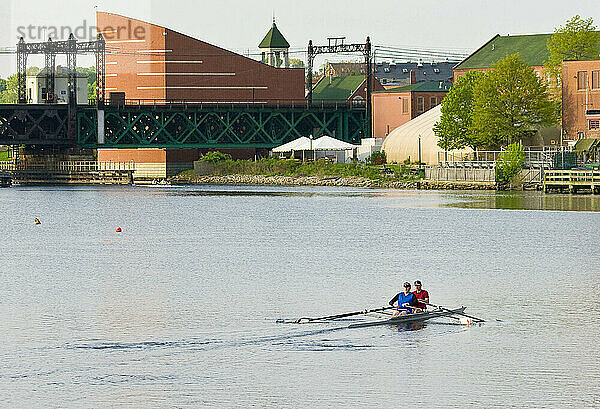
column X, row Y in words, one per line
column 421, row 295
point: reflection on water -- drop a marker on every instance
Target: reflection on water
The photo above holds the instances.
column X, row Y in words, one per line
column 530, row 200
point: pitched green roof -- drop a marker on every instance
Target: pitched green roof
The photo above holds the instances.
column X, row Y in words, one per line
column 531, row 48
column 274, row 39
column 340, row 88
column 426, row 86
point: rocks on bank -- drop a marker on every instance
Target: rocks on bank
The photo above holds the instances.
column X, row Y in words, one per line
column 326, row 181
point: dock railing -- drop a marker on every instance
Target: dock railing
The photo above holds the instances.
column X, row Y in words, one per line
column 534, row 158
column 573, row 179
column 68, row 166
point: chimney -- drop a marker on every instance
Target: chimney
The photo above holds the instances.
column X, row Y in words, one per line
column 413, row 77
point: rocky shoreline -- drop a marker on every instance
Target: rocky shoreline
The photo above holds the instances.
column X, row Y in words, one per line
column 261, row 180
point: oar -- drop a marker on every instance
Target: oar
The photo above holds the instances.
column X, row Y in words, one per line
column 457, row 313
column 333, row 317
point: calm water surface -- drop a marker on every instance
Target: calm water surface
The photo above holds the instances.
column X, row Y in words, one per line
column 179, row 309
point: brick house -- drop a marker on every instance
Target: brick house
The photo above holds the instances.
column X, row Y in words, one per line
column 531, row 48
column 396, row 106
column 581, row 99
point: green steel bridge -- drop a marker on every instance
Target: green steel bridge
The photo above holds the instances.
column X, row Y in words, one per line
column 178, row 125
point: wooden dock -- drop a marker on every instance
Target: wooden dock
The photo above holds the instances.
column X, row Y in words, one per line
column 70, row 172
column 572, row 181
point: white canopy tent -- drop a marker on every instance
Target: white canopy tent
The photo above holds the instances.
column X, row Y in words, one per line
column 300, row 144
column 327, row 143
column 325, row 146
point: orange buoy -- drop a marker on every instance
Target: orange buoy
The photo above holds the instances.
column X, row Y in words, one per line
column 118, row 230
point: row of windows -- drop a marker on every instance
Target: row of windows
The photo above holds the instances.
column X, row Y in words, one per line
column 582, row 80
column 433, row 101
column 594, row 124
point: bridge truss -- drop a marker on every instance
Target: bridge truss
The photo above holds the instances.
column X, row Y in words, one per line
column 195, row 127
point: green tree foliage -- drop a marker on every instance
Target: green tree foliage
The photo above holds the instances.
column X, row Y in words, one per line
column 2, row 84
column 296, row 63
column 215, row 157
column 454, row 127
column 9, row 95
column 576, row 40
column 509, row 103
column 509, row 163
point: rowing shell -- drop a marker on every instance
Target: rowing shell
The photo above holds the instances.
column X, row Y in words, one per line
column 403, row 319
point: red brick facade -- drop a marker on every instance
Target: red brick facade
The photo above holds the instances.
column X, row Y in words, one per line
column 155, row 64
column 392, row 109
column 580, row 93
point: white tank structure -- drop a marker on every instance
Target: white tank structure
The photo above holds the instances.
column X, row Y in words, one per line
column 403, row 142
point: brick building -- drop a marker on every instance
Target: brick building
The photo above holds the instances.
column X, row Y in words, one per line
column 581, row 99
column 396, row 106
column 151, row 64
column 531, row 48
column 579, row 81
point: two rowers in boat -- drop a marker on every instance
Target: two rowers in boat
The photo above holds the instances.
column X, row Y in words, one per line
column 408, row 302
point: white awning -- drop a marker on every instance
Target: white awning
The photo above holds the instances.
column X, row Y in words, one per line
column 327, row 143
column 300, row 144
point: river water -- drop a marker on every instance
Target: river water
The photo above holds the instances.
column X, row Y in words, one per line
column 179, row 310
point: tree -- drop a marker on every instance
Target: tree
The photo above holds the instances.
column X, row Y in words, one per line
column 296, row 63
column 576, row 40
column 509, row 163
column 9, row 95
column 454, row 127
column 2, row 84
column 509, row 103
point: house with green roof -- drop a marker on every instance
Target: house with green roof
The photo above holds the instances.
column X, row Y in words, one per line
column 396, row 106
column 275, row 48
column 350, row 89
column 532, row 49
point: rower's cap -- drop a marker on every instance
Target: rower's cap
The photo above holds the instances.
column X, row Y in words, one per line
column 407, row 284
column 417, row 282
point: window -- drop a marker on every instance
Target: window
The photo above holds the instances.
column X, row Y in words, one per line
column 582, row 80
column 594, row 124
column 433, row 102
column 420, row 105
column 405, row 105
column 595, row 79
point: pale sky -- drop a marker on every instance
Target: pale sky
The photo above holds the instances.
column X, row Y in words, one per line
column 240, row 25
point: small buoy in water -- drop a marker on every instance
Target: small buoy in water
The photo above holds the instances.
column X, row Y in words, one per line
column 465, row 321
column 37, row 221
column 118, row 230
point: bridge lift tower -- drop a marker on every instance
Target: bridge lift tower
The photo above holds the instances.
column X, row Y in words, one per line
column 50, row 49
column 336, row 45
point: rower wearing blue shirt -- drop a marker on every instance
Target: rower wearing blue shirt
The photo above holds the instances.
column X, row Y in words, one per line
column 405, row 300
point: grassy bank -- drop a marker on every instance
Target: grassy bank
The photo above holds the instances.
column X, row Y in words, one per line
column 293, row 168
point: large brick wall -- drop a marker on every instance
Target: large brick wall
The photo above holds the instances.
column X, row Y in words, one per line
column 575, row 102
column 149, row 62
column 389, row 112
